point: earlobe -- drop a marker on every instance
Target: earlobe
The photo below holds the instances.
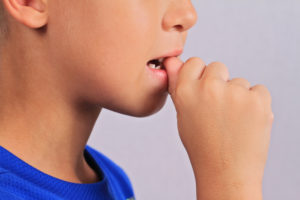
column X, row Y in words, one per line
column 32, row 13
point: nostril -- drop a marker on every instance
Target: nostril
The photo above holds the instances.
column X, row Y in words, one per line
column 178, row 27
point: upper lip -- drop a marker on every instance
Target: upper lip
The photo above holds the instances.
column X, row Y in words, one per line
column 172, row 53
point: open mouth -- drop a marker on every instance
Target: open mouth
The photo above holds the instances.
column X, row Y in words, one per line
column 156, row 63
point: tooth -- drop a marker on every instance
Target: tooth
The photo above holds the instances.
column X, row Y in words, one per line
column 160, row 60
column 152, row 65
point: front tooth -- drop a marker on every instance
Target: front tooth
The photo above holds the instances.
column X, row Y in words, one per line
column 152, row 65
column 158, row 67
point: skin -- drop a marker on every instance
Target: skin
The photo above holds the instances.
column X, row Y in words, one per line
column 82, row 62
column 225, row 125
column 63, row 61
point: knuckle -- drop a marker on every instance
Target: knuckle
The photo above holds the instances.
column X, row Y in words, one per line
column 236, row 87
column 217, row 69
column 262, row 91
column 263, row 87
column 238, row 79
column 218, row 65
column 195, row 60
column 260, row 87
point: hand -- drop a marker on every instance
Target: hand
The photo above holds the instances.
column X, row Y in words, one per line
column 224, row 126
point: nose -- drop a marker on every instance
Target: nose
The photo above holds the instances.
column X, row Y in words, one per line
column 180, row 15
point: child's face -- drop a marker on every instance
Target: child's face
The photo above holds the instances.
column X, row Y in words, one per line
column 102, row 47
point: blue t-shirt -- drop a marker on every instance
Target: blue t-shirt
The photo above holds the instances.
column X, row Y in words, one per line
column 21, row 181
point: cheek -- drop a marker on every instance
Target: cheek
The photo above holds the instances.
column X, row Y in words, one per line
column 105, row 34
column 104, row 54
column 117, row 48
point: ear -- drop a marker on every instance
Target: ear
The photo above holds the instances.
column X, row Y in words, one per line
column 32, row 13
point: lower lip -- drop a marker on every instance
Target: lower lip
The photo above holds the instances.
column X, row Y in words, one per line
column 159, row 74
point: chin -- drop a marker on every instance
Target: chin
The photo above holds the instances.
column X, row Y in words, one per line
column 142, row 108
column 148, row 110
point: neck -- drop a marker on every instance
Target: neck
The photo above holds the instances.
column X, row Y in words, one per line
column 40, row 122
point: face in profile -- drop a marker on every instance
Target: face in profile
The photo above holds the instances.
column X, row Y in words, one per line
column 102, row 48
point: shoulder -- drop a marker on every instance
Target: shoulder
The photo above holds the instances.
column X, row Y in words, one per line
column 114, row 172
column 4, row 195
column 2, row 170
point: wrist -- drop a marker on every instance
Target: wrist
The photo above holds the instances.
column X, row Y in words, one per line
column 228, row 190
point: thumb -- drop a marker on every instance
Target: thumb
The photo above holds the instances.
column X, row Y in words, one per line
column 172, row 66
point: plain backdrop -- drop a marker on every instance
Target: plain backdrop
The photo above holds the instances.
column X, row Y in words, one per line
column 257, row 40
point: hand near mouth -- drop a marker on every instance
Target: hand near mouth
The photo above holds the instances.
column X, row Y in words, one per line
column 225, row 127
column 172, row 66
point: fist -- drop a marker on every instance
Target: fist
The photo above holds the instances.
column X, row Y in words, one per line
column 224, row 124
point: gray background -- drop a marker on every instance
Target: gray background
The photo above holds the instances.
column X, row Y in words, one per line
column 257, row 40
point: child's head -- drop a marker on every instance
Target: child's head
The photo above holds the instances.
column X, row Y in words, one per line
column 96, row 51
